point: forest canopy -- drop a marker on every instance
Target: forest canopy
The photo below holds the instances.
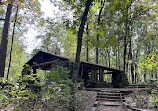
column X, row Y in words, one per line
column 119, row 34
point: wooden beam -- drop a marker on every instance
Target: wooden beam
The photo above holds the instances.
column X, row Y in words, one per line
column 108, row 72
column 43, row 64
column 98, row 66
column 2, row 19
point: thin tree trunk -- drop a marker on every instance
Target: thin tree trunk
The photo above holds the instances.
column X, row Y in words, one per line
column 105, row 57
column 126, row 37
column 119, row 57
column 131, row 58
column 116, row 57
column 12, row 43
column 102, row 56
column 145, row 75
column 87, row 49
column 4, row 41
column 97, row 50
column 108, row 56
column 156, row 73
column 99, row 17
column 136, row 68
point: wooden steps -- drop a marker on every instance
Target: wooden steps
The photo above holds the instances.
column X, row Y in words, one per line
column 110, row 97
column 107, row 103
column 112, row 100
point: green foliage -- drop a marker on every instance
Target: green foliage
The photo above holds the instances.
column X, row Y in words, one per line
column 149, row 61
column 15, row 94
column 58, row 75
column 56, row 90
column 154, row 93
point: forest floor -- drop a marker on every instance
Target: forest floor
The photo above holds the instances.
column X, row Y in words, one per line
column 139, row 98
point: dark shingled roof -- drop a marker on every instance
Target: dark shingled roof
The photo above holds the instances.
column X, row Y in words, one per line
column 44, row 60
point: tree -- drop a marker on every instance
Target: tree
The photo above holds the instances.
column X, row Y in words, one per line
column 76, row 67
column 99, row 18
column 79, row 40
column 4, row 41
column 11, row 49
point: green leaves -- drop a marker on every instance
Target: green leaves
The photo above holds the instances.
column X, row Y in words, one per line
column 149, row 61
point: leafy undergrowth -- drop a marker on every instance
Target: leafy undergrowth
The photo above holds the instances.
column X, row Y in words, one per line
column 84, row 102
column 53, row 94
column 144, row 99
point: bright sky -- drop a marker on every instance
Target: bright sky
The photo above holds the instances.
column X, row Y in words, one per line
column 49, row 11
column 48, row 8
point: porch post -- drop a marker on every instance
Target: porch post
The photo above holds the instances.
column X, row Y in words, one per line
column 92, row 74
column 95, row 74
column 101, row 73
column 81, row 72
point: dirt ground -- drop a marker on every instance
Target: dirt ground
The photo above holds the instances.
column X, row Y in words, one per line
column 89, row 98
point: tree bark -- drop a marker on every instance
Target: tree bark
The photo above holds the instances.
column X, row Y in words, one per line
column 118, row 48
column 87, row 49
column 116, row 56
column 99, row 17
column 79, row 40
column 108, row 51
column 12, row 43
column 76, row 67
column 106, row 57
column 4, row 41
column 125, row 39
column 131, row 58
column 136, row 67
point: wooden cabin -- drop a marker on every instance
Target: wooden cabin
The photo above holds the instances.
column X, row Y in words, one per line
column 92, row 74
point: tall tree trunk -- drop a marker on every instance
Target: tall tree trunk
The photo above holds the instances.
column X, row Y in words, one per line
column 126, row 37
column 4, row 41
column 87, row 49
column 136, row 68
column 145, row 71
column 99, row 17
column 108, row 56
column 156, row 73
column 76, row 67
column 105, row 57
column 12, row 42
column 102, row 57
column 136, row 58
column 116, row 57
column 118, row 48
column 131, row 58
column 79, row 40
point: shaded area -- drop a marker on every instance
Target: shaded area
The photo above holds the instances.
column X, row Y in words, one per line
column 93, row 75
